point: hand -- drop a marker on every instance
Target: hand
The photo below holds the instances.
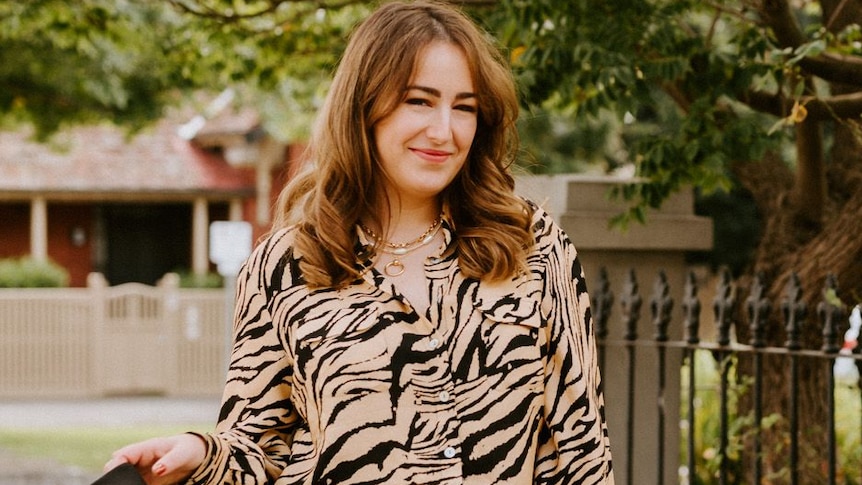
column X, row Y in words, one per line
column 162, row 461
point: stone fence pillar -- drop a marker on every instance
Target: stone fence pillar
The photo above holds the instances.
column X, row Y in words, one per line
column 581, row 204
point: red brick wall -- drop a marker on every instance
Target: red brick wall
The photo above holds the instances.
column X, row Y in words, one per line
column 63, row 220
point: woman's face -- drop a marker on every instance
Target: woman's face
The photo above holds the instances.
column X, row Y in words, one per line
column 424, row 142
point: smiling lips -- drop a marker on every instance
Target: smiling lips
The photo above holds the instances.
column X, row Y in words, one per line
column 431, row 155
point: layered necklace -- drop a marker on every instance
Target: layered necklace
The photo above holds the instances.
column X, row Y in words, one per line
column 397, row 250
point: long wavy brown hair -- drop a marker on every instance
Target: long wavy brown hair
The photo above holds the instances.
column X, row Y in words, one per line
column 341, row 181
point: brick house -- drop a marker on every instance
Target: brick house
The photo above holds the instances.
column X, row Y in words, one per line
column 135, row 207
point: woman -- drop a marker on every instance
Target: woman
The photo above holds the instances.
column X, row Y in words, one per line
column 409, row 319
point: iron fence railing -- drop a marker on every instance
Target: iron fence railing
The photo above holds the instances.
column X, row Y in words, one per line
column 829, row 314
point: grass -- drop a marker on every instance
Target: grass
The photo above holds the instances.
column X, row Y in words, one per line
column 849, row 436
column 85, row 447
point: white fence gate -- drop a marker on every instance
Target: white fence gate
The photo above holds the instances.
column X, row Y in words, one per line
column 100, row 340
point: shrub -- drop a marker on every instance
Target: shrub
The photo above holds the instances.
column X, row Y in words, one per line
column 191, row 280
column 27, row 272
column 848, row 407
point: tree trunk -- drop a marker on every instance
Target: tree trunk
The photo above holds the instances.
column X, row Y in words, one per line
column 811, row 229
column 789, row 248
column 809, row 194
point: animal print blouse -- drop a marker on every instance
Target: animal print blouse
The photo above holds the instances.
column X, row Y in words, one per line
column 497, row 383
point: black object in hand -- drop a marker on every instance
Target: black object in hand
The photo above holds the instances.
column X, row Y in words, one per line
column 124, row 474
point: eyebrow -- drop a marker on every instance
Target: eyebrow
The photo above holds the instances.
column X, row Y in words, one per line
column 436, row 92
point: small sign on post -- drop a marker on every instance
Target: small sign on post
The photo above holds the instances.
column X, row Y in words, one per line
column 230, row 245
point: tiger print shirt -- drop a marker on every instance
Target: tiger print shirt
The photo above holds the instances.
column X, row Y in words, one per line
column 496, row 383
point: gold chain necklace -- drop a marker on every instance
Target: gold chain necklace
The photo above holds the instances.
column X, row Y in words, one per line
column 396, row 266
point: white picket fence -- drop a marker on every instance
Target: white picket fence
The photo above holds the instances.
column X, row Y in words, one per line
column 120, row 340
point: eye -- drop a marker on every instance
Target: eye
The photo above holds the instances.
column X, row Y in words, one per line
column 467, row 108
column 414, row 101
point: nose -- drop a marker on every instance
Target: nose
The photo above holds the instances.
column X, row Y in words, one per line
column 439, row 129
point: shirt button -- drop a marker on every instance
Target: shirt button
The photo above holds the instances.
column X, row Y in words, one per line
column 433, row 343
column 444, row 396
column 449, row 452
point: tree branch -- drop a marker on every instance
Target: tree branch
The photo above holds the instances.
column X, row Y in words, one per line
column 819, row 109
column 835, row 68
column 673, row 90
column 778, row 16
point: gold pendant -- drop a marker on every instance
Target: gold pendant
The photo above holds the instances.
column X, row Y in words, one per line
column 394, row 268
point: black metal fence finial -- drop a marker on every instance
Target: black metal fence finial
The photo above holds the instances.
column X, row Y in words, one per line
column 661, row 304
column 794, row 309
column 691, row 309
column 722, row 307
column 831, row 313
column 602, row 302
column 631, row 306
column 759, row 307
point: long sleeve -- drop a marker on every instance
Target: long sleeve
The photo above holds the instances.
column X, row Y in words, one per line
column 573, row 443
column 253, row 436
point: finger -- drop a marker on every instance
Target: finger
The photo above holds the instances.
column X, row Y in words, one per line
column 142, row 454
column 185, row 454
column 114, row 462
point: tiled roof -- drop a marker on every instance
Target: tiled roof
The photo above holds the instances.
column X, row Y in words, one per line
column 244, row 121
column 105, row 160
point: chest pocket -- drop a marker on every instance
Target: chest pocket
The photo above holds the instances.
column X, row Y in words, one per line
column 512, row 335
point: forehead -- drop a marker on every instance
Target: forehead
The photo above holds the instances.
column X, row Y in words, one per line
column 443, row 64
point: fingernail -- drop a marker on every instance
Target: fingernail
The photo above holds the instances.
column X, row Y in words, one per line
column 159, row 469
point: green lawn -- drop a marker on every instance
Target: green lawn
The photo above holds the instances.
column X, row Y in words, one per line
column 85, row 447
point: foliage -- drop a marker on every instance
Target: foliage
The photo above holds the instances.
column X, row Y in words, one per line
column 29, row 273
column 558, row 142
column 81, row 61
column 623, row 56
column 736, row 229
column 741, row 426
column 189, row 279
column 69, row 62
column 701, row 84
column 707, row 416
column 709, row 83
column 849, row 438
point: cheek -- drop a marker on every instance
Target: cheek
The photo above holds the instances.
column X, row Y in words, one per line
column 465, row 132
column 385, row 133
column 396, row 127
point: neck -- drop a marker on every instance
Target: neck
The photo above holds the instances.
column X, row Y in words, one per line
column 405, row 223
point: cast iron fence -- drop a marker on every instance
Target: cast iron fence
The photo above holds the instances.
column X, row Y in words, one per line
column 830, row 314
